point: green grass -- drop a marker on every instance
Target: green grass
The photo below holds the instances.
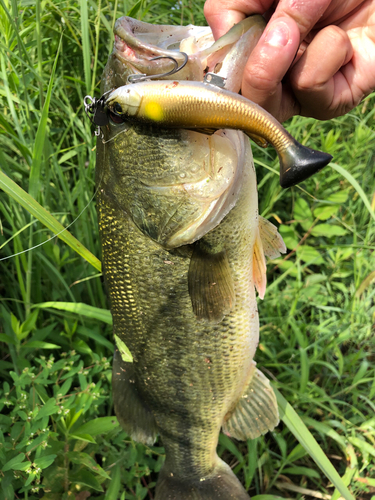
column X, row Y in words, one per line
column 58, row 436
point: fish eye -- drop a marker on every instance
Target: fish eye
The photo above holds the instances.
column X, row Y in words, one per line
column 117, row 108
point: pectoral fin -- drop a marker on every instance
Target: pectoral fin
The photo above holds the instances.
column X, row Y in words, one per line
column 256, row 412
column 210, row 282
column 131, row 411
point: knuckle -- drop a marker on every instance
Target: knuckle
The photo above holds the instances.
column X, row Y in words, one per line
column 209, row 9
column 260, row 79
column 336, row 34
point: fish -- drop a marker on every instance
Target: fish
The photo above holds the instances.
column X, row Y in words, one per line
column 183, row 253
column 203, row 106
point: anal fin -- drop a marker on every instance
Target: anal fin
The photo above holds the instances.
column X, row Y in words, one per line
column 210, row 282
column 134, row 416
column 256, row 411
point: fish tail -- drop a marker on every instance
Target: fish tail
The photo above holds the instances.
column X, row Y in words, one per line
column 221, row 484
column 298, row 163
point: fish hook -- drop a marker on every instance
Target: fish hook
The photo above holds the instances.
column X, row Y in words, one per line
column 95, row 110
column 143, row 77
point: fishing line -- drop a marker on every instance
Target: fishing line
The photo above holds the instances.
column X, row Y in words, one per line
column 60, row 232
column 114, row 137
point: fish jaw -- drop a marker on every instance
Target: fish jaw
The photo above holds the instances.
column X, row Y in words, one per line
column 138, row 43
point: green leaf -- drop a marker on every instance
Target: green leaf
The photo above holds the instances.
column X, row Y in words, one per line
column 301, row 471
column 35, row 171
column 39, row 344
column 302, row 213
column 44, row 462
column 267, row 497
column 115, row 484
column 294, row 423
column 339, row 196
column 356, row 186
column 85, row 478
column 49, row 408
column 32, row 206
column 362, row 445
column 134, row 10
column 81, row 346
column 79, row 308
column 100, row 425
column 324, row 212
column 365, row 284
column 14, row 461
column 289, row 236
column 229, row 445
column 309, row 255
column 5, row 338
column 97, row 337
column 85, row 24
column 328, row 230
column 30, row 322
column 326, row 430
column 82, row 458
column 83, row 437
column 124, row 351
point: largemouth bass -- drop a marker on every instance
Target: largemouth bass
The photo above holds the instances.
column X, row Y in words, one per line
column 183, row 251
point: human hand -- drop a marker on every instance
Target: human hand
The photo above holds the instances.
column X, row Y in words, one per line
column 315, row 58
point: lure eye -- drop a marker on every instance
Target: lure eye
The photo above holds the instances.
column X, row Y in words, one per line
column 115, row 118
column 117, row 108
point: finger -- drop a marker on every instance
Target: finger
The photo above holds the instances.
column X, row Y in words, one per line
column 268, row 64
column 275, row 52
column 316, row 79
column 222, row 15
column 304, row 13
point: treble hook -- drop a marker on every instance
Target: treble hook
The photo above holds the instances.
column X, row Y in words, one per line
column 143, row 77
column 96, row 108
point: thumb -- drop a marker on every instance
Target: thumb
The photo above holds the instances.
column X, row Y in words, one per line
column 268, row 64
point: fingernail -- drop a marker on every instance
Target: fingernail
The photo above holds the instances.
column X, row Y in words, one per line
column 277, row 34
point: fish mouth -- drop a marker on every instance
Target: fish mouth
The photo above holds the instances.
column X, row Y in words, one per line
column 138, row 43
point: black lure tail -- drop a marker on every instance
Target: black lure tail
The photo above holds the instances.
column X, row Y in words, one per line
column 298, row 163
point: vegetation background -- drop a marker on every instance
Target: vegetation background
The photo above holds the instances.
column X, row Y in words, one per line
column 58, row 437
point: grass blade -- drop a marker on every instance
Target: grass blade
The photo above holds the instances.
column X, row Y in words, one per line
column 41, row 136
column 294, row 423
column 356, row 186
column 86, row 45
column 33, row 207
column 80, row 308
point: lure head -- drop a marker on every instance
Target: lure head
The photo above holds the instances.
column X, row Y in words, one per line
column 123, row 102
